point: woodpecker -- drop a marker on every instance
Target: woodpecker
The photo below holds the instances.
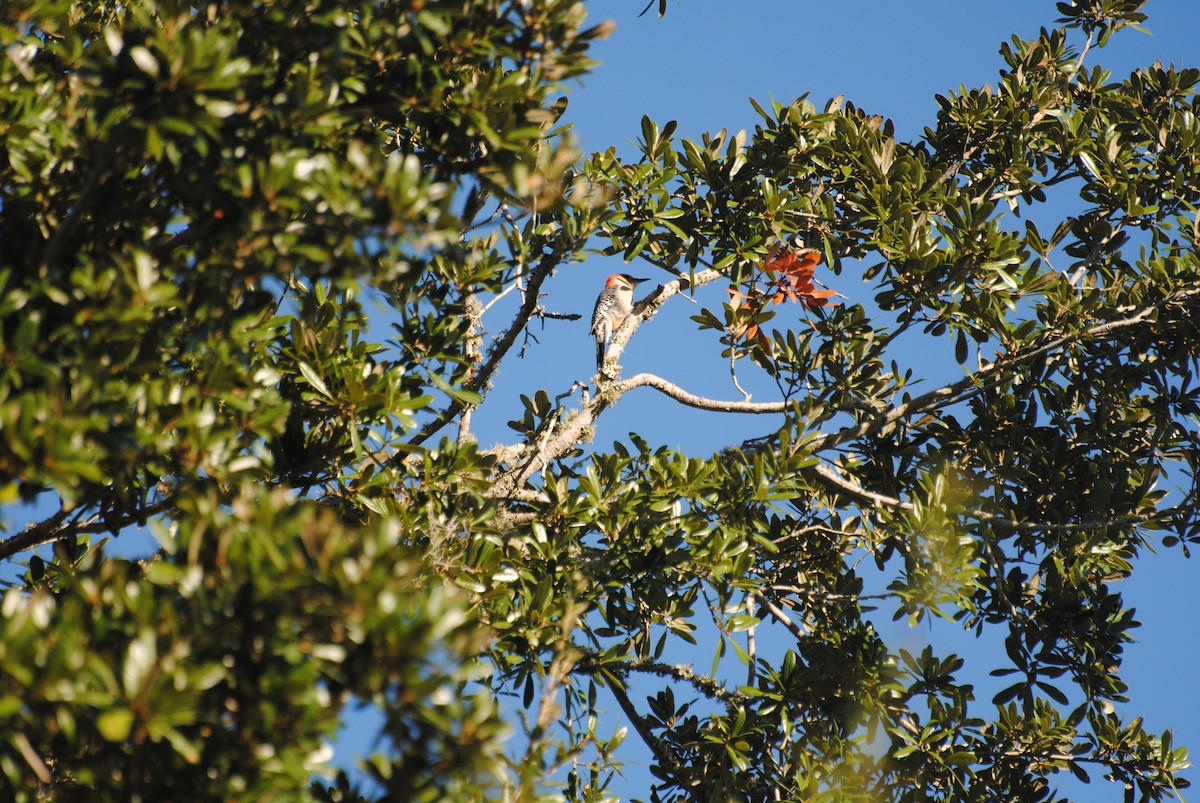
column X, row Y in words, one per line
column 612, row 306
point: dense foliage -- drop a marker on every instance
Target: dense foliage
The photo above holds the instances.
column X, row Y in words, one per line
column 247, row 258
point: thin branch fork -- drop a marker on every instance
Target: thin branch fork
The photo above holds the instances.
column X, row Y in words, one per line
column 575, row 426
column 573, row 430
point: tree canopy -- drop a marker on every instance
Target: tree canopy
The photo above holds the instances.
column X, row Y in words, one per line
column 250, row 260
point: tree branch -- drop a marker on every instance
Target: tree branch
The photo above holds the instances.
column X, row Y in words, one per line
column 53, row 528
column 993, row 374
column 699, row 402
column 570, row 432
column 779, row 615
column 471, row 350
column 702, row 683
column 662, row 752
column 496, row 353
column 83, row 203
column 983, row 516
column 858, row 492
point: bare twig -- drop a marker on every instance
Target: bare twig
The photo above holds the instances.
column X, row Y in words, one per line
column 516, row 284
column 733, row 374
column 32, row 758
column 1083, row 54
column 542, row 312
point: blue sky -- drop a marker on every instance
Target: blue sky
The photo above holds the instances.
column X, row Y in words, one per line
column 699, row 65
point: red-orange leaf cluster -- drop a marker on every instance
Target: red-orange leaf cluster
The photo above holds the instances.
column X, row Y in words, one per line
column 793, row 280
column 789, row 277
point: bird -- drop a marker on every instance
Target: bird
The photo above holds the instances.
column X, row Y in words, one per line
column 613, row 305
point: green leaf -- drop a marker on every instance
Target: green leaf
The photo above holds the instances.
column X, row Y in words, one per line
column 115, row 724
column 314, row 380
